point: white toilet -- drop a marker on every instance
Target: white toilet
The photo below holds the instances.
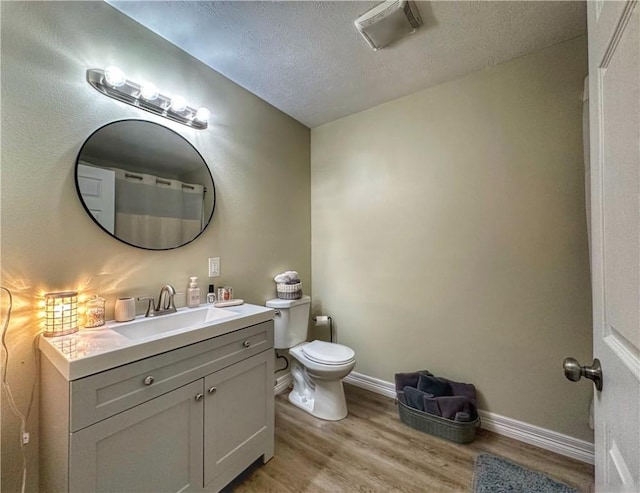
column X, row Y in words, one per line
column 319, row 367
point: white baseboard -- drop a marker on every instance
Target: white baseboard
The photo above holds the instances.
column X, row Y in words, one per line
column 540, row 437
column 282, row 383
column 373, row 384
column 524, row 432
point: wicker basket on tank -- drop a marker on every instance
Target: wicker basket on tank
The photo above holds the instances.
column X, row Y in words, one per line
column 289, row 291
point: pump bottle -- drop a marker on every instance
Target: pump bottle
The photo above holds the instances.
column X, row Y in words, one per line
column 193, row 293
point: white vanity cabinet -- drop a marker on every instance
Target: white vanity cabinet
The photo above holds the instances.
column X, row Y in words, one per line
column 189, row 419
column 154, row 447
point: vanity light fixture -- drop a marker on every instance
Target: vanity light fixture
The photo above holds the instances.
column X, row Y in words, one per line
column 178, row 104
column 61, row 313
column 149, row 91
column 203, row 114
column 114, row 76
column 113, row 82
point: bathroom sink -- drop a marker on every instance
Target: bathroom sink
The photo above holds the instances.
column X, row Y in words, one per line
column 91, row 351
column 183, row 319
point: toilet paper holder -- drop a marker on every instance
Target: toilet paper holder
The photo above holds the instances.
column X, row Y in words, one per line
column 319, row 321
column 323, row 321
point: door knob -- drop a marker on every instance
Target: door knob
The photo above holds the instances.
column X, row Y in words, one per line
column 199, row 397
column 212, row 390
column 573, row 371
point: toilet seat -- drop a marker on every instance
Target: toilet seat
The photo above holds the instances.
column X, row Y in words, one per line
column 328, row 353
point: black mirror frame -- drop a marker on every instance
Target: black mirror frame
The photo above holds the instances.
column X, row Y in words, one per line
column 84, row 205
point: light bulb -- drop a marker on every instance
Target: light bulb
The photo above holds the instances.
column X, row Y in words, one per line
column 148, row 91
column 203, row 114
column 178, row 104
column 114, row 76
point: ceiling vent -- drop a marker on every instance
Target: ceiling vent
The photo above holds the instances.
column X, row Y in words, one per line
column 388, row 21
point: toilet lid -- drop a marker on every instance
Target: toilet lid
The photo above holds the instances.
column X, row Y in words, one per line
column 328, row 353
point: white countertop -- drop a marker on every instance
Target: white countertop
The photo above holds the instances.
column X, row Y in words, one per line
column 91, row 351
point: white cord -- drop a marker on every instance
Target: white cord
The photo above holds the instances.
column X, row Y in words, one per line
column 5, row 386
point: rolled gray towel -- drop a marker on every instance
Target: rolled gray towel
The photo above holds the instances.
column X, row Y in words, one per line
column 448, row 406
column 467, row 390
column 432, row 385
column 410, row 379
column 416, row 398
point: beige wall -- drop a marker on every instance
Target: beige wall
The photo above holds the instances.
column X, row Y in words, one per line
column 258, row 156
column 449, row 233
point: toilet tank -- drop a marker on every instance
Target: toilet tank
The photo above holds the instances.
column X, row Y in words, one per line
column 291, row 321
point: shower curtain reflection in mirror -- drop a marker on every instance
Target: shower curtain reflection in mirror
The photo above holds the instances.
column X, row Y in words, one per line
column 155, row 212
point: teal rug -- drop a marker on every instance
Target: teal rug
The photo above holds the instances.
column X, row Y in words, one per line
column 496, row 475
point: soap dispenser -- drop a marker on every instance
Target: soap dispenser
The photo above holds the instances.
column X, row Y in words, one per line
column 193, row 293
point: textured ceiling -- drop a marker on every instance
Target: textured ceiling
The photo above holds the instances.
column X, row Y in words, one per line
column 307, row 59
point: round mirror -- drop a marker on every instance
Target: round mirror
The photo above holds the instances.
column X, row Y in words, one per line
column 145, row 185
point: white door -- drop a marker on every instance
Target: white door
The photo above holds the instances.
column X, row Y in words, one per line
column 614, row 95
column 98, row 189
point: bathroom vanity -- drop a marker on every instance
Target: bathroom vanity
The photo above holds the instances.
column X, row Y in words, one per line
column 181, row 403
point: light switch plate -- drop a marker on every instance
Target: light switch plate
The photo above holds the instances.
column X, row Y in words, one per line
column 214, row 267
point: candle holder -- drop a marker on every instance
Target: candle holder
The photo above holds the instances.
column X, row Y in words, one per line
column 61, row 313
column 94, row 312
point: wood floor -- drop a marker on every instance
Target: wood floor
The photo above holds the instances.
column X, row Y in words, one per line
column 372, row 450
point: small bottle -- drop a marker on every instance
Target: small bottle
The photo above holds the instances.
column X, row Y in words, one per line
column 211, row 296
column 193, row 293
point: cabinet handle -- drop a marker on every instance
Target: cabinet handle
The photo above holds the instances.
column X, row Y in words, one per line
column 148, row 380
column 246, row 343
column 212, row 390
column 199, row 397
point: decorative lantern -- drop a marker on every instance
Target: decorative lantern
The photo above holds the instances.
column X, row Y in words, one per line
column 61, row 313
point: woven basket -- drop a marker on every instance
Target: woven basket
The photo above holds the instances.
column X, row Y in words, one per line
column 289, row 291
column 456, row 431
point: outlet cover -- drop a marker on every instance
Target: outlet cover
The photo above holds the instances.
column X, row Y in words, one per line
column 214, row 267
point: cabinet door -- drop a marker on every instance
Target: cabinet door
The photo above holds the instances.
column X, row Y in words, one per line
column 238, row 419
column 154, row 447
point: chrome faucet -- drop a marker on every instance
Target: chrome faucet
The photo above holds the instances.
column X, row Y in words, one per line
column 165, row 302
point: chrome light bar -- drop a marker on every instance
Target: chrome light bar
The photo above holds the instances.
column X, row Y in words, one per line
column 112, row 82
